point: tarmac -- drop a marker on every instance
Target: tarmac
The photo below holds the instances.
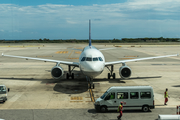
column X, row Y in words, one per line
column 35, row 95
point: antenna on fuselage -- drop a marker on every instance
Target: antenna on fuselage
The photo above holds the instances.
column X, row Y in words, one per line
column 89, row 33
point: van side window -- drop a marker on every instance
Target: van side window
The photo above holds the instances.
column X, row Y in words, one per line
column 110, row 96
column 122, row 95
column 145, row 95
column 134, row 95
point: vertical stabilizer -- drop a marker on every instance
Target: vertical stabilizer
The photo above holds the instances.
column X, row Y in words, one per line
column 89, row 32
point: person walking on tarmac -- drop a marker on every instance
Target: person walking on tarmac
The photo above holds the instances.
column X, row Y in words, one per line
column 166, row 96
column 120, row 110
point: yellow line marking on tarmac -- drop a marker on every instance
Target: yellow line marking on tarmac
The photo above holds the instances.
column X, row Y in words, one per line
column 91, row 95
column 70, row 53
column 76, row 98
column 61, row 52
column 79, row 52
column 117, row 46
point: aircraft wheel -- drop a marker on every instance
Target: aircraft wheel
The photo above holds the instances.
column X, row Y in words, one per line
column 108, row 75
column 89, row 86
column 93, row 86
column 72, row 76
column 67, row 75
column 114, row 76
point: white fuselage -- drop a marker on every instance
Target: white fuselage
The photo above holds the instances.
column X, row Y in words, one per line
column 92, row 62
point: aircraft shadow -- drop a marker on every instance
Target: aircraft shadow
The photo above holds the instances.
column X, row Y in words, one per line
column 118, row 80
column 77, row 85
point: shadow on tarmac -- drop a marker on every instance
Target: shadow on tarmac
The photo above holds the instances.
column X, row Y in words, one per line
column 75, row 86
column 176, row 86
column 118, row 80
column 93, row 111
column 145, row 77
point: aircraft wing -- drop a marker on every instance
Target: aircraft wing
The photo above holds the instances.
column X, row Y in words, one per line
column 45, row 60
column 106, row 49
column 135, row 60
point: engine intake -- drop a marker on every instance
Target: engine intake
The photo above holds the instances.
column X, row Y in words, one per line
column 57, row 72
column 125, row 72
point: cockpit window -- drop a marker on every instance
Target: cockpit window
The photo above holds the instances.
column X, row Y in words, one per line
column 83, row 59
column 88, row 59
column 95, row 59
column 100, row 59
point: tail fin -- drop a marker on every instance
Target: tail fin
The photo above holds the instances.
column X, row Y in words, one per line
column 89, row 32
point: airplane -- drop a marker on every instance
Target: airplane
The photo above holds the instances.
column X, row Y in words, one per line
column 91, row 63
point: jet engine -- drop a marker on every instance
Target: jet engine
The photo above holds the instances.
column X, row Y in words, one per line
column 57, row 72
column 125, row 72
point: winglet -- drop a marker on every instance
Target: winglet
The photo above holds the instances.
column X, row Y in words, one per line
column 90, row 33
column 2, row 54
column 177, row 54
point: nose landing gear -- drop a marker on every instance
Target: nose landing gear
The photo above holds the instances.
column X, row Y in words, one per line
column 111, row 74
column 90, row 83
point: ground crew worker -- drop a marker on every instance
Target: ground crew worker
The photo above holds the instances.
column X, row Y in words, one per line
column 120, row 110
column 112, row 96
column 166, row 96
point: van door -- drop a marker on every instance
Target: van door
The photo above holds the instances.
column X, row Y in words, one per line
column 110, row 101
column 122, row 97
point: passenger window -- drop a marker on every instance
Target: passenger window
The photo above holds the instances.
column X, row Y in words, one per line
column 83, row 59
column 122, row 95
column 110, row 96
column 145, row 95
column 95, row 59
column 100, row 59
column 88, row 59
column 134, row 95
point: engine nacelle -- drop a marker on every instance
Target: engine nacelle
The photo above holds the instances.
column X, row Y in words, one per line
column 57, row 72
column 125, row 72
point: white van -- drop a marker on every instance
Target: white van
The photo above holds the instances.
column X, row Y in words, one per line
column 3, row 93
column 133, row 97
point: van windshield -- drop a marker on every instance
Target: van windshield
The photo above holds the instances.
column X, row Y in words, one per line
column 104, row 95
column 2, row 89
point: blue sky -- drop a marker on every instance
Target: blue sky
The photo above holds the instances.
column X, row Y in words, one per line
column 68, row 19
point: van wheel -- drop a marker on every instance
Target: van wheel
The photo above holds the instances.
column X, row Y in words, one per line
column 103, row 109
column 145, row 108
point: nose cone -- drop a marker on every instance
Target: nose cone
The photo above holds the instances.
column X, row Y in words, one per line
column 92, row 69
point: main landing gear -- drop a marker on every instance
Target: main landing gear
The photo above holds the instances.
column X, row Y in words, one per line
column 70, row 74
column 90, row 83
column 111, row 74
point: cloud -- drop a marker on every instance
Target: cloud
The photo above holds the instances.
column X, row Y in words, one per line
column 132, row 14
